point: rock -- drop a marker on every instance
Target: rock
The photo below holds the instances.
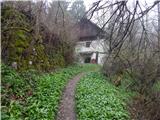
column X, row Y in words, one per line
column 14, row 65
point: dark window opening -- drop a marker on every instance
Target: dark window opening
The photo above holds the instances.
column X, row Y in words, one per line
column 87, row 60
column 88, row 44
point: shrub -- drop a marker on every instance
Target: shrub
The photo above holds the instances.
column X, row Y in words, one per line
column 113, row 66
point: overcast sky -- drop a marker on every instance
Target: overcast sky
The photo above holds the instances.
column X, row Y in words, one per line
column 88, row 3
column 152, row 15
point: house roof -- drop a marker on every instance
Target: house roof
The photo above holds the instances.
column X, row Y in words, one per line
column 87, row 30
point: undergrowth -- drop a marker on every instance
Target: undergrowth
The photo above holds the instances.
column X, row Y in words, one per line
column 97, row 99
column 34, row 96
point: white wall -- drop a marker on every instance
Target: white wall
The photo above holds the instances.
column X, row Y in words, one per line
column 96, row 45
column 101, row 58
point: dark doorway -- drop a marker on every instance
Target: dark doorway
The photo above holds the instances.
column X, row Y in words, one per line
column 88, row 44
column 87, row 60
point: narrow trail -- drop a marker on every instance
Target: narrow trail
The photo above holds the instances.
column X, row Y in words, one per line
column 67, row 104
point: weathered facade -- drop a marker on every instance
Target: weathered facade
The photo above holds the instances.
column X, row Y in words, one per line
column 90, row 45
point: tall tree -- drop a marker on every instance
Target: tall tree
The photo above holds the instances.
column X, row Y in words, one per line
column 78, row 9
column 159, row 26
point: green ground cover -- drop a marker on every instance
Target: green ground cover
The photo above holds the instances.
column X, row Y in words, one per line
column 156, row 87
column 34, row 96
column 97, row 99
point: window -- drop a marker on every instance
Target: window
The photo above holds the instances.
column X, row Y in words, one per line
column 88, row 44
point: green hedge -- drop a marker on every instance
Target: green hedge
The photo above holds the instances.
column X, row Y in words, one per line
column 32, row 96
column 96, row 99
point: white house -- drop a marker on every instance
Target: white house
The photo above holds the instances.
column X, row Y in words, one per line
column 90, row 45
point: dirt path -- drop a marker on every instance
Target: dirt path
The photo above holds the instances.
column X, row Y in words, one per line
column 67, row 104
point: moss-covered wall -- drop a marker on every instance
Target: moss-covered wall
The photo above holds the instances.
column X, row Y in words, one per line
column 20, row 45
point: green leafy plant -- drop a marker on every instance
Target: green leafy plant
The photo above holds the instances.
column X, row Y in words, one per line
column 31, row 95
column 97, row 99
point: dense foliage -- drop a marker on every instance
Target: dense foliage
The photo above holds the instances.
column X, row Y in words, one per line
column 28, row 42
column 16, row 37
column 31, row 95
column 157, row 86
column 100, row 100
